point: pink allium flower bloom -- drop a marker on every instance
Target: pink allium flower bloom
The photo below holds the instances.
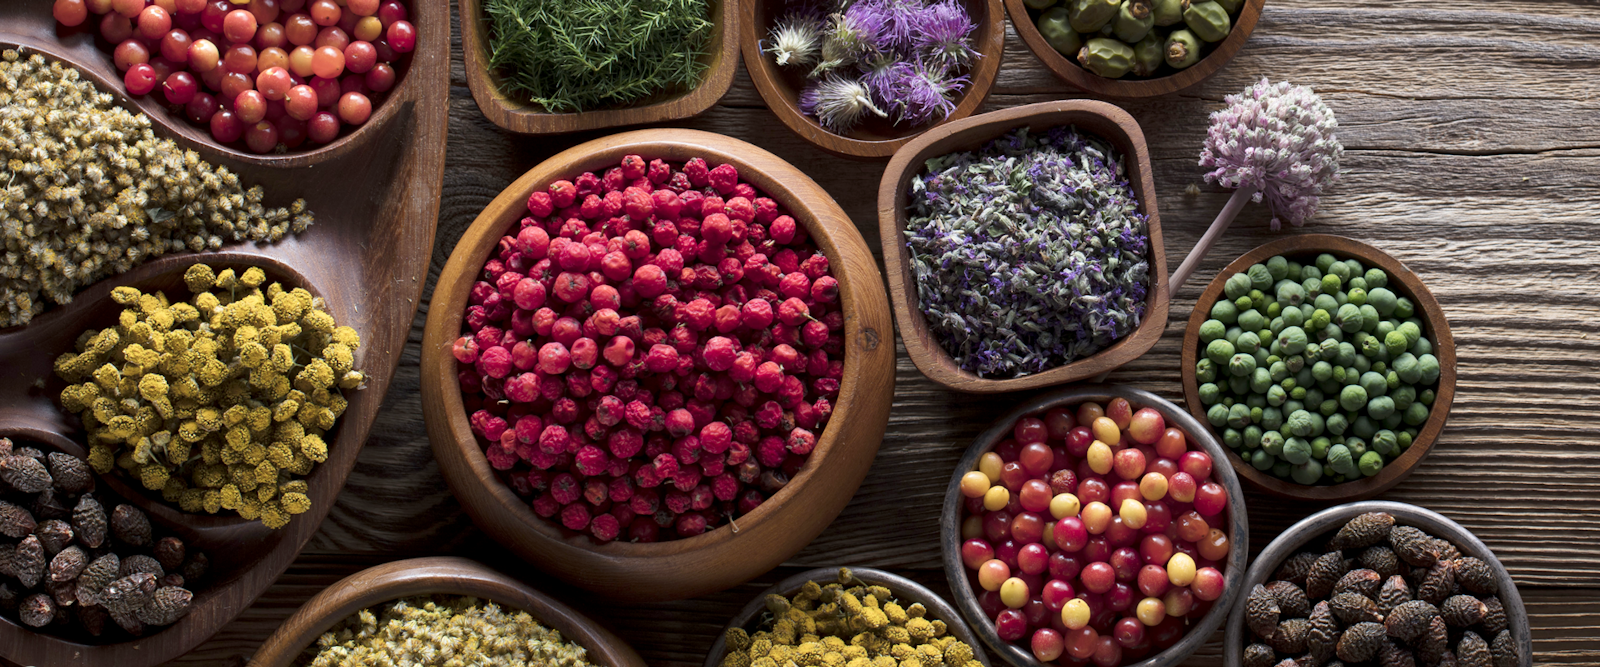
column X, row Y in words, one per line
column 1279, row 140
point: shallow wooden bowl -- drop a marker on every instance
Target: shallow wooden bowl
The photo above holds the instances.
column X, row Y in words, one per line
column 905, row 590
column 1403, row 283
column 718, row 558
column 376, row 197
column 875, row 138
column 1069, row 71
column 1315, row 528
column 950, row 519
column 427, row 576
column 721, row 59
column 1099, row 118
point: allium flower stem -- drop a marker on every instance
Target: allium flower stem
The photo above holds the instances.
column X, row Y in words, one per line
column 1230, row 211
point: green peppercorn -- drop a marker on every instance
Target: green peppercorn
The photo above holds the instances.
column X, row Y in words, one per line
column 1056, row 27
column 1384, row 442
column 1239, row 415
column 1296, row 450
column 1252, row 320
column 1133, row 22
column 1371, row 463
column 1337, row 423
column 1403, row 308
column 1312, row 286
column 1090, row 15
column 1416, row 414
column 1148, row 55
column 1239, row 385
column 1292, row 340
column 1356, row 282
column 1382, row 299
column 1380, row 407
column 1252, row 436
column 1106, row 57
column 1292, row 317
column 1183, row 50
column 1357, row 295
column 1421, row 347
column 1242, row 365
column 1306, row 472
column 1289, row 292
column 1225, row 312
column 1220, row 351
column 1363, row 427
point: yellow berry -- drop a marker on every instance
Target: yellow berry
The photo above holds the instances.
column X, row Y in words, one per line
column 1099, row 457
column 971, row 527
column 1133, row 513
column 996, row 498
column 989, row 465
column 974, row 484
column 1153, row 486
column 1106, row 430
column 1180, row 569
column 1075, row 613
column 1096, row 517
column 1064, row 505
column 1151, row 611
column 1014, row 593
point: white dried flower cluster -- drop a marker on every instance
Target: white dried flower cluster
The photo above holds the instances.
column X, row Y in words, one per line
column 1279, row 140
column 88, row 191
column 444, row 631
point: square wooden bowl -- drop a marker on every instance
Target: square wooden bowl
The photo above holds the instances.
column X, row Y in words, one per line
column 1098, row 118
column 721, row 59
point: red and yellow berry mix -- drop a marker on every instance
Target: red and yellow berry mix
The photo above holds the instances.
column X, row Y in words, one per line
column 1093, row 534
column 653, row 351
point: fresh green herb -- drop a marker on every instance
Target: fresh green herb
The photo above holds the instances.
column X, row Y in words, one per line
column 576, row 55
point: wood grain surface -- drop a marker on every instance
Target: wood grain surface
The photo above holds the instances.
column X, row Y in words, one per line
column 1473, row 155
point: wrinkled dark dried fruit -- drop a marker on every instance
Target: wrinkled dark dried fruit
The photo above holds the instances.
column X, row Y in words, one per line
column 131, row 526
column 49, row 505
column 1360, row 642
column 1355, row 608
column 1504, row 649
column 1446, row 550
column 93, row 619
column 1323, row 632
column 29, row 561
column 1438, row 584
column 68, row 564
column 1363, row 531
column 89, row 520
column 1295, row 568
column 169, row 552
column 15, row 521
column 1288, row 662
column 126, row 596
column 1432, row 644
column 1292, row 601
column 1261, row 612
column 1363, row 581
column 172, row 579
column 140, row 563
column 1494, row 616
column 1394, row 592
column 71, row 473
column 37, row 610
column 1290, row 636
column 94, row 579
column 1259, row 655
column 1410, row 620
column 65, row 593
column 9, row 597
column 25, row 473
column 1448, row 659
column 1380, row 559
column 1413, row 546
column 1325, row 572
column 166, row 606
column 8, row 566
column 1392, row 655
column 1473, row 651
column 55, row 535
column 196, row 567
column 1474, row 575
column 1463, row 610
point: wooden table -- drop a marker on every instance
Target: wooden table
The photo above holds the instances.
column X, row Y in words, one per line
column 1472, row 136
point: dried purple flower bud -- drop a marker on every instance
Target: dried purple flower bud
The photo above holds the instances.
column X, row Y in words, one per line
column 942, row 34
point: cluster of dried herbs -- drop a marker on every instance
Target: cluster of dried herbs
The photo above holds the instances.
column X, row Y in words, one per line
column 448, row 631
column 74, row 565
column 1029, row 253
column 88, row 191
column 578, row 55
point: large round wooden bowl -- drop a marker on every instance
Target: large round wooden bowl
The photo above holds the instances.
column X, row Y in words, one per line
column 950, row 520
column 1403, row 283
column 875, row 138
column 375, row 195
column 434, row 576
column 905, row 590
column 1099, row 118
column 721, row 59
column 1129, row 87
column 718, row 558
column 1313, row 531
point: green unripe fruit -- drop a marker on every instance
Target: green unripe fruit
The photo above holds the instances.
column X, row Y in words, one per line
column 1247, row 342
column 1271, row 419
column 1166, row 12
column 1300, row 423
column 1220, row 351
column 1055, row 25
column 1217, row 415
column 1208, row 20
column 1243, row 303
column 1357, row 295
column 1232, row 335
column 1374, row 384
column 1225, row 312
column 1133, row 23
column 1242, row 365
column 1356, row 282
column 1296, row 451
column 1362, row 365
column 1262, row 460
column 1375, row 278
column 1272, row 442
column 1312, row 286
column 1232, row 438
column 1353, row 397
column 1411, row 331
column 1363, row 427
column 1340, row 460
column 1371, row 463
column 1380, row 407
column 1307, row 472
column 1239, row 415
column 1252, row 436
column 1292, row 341
column 1403, row 396
column 1211, row 330
column 1396, row 343
column 1328, row 408
column 1292, row 317
column 1148, row 55
column 1106, row 57
column 1276, row 394
column 1281, row 469
column 1384, row 442
column 1277, row 267
column 1403, row 308
column 1252, row 320
column 1415, row 414
column 1405, row 438
column 1183, row 50
column 1289, row 293
column 1349, row 318
column 1308, row 272
column 1238, row 385
column 1322, row 370
column 1382, row 299
column 1205, row 370
column 1320, row 319
column 1210, row 393
column 1337, row 424
column 1325, row 301
column 1428, row 367
column 1091, row 15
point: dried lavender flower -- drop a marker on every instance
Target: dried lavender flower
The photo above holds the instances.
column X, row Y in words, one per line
column 1277, row 140
column 796, row 39
column 837, row 103
column 942, row 34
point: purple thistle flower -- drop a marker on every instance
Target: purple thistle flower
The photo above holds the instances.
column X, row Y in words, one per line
column 941, row 33
column 854, row 35
column 1279, row 140
column 922, row 93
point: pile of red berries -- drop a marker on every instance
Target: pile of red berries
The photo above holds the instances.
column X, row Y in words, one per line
column 1092, row 534
column 274, row 73
column 654, row 349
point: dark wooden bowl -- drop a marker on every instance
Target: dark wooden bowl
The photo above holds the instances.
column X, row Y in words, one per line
column 1099, row 118
column 875, row 138
column 1238, row 521
column 1314, row 528
column 721, row 59
column 1069, row 71
column 1401, row 281
column 906, row 590
column 436, row 575
column 717, row 558
column 367, row 255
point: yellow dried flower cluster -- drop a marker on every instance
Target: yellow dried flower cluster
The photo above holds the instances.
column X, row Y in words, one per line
column 220, row 402
column 87, row 190
column 444, row 631
column 846, row 624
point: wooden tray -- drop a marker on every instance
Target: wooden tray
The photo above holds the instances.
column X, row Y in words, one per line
column 376, row 197
column 1099, row 118
column 1069, row 71
column 1404, row 283
column 719, row 558
column 441, row 575
column 722, row 59
column 875, row 139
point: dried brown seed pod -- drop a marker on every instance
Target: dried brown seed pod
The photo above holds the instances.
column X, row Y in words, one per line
column 9, row 597
column 1288, row 662
column 1363, row 581
column 65, row 593
column 172, row 579
column 1394, row 592
column 16, row 521
column 1290, row 636
column 1504, row 649
column 1433, row 643
column 89, row 519
column 126, row 596
column 1410, row 620
column 37, row 610
column 140, row 563
column 55, row 535
column 1360, row 642
column 71, row 474
column 1355, row 608
column 1413, row 546
column 8, row 566
column 1448, row 659
column 96, row 577
column 93, row 619
column 131, row 526
column 1292, row 601
column 169, row 552
column 1494, row 615
column 1259, row 655
column 1295, row 568
column 25, row 473
column 1363, row 531
column 1438, row 584
column 1447, row 551
column 1473, row 651
column 67, row 565
column 1463, row 610
column 49, row 505
column 1392, row 655
column 1261, row 612
column 166, row 606
column 196, row 567
column 1323, row 634
column 29, row 561
column 1474, row 575
column 1325, row 572
column 1380, row 559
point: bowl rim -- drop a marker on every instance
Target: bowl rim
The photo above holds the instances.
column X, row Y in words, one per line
column 1436, row 325
column 1080, row 78
column 523, row 118
column 1238, row 519
column 764, row 74
column 437, row 575
column 1326, row 521
column 928, row 355
column 905, row 588
column 863, row 400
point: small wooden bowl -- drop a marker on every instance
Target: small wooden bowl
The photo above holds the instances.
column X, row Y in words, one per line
column 427, row 576
column 783, row 524
column 1323, row 524
column 1403, row 283
column 721, row 59
column 906, row 590
column 875, row 138
column 1069, row 71
column 1100, row 118
column 1238, row 521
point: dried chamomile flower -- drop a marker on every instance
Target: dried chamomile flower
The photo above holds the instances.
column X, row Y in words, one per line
column 444, row 630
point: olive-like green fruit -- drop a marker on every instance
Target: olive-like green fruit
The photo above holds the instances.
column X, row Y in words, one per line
column 1183, row 50
column 1091, row 15
column 1039, row 4
column 1148, row 55
column 1208, row 20
column 1056, row 28
column 1133, row 22
column 1108, row 58
column 1233, row 8
column 1167, row 12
